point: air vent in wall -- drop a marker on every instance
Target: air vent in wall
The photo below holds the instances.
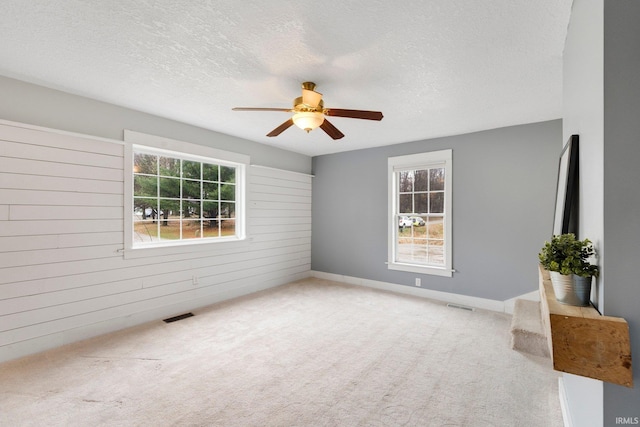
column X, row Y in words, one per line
column 176, row 318
column 461, row 307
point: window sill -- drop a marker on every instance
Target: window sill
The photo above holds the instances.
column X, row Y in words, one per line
column 412, row 268
column 183, row 247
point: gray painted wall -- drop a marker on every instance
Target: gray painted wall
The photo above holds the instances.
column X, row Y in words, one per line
column 621, row 188
column 40, row 106
column 503, row 200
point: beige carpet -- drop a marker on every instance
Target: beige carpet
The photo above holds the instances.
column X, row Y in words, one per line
column 312, row 353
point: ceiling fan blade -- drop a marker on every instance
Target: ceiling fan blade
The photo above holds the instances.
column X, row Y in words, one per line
column 311, row 98
column 331, row 130
column 261, row 109
column 354, row 114
column 277, row 131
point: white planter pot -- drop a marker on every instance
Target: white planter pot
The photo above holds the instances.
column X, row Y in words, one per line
column 571, row 289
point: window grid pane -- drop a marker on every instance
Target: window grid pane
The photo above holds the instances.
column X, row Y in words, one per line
column 179, row 199
column 420, row 216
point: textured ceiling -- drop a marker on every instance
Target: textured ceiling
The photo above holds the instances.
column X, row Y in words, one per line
column 434, row 68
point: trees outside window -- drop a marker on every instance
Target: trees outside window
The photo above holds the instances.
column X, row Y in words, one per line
column 178, row 197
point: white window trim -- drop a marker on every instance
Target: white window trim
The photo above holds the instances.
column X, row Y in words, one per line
column 421, row 160
column 183, row 150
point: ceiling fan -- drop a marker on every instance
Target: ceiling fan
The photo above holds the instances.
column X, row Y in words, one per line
column 309, row 113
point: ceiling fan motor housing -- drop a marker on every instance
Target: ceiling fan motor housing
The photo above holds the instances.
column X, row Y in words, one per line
column 299, row 105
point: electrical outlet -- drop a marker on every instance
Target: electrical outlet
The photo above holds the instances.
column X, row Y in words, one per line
column 194, row 280
column 418, row 281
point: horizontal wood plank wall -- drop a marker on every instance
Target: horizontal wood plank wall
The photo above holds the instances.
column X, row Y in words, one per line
column 63, row 276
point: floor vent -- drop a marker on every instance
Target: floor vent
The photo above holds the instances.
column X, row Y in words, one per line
column 461, row 307
column 176, row 318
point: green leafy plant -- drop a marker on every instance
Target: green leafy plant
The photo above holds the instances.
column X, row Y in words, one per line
column 568, row 255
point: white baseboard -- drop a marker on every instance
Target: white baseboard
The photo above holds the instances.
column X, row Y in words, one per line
column 482, row 303
column 204, row 298
column 564, row 404
column 47, row 342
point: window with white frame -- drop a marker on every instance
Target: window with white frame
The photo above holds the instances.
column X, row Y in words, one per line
column 180, row 198
column 420, row 213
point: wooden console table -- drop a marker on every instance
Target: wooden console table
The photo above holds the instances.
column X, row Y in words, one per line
column 582, row 341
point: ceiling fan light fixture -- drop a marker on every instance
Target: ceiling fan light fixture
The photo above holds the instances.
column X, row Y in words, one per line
column 308, row 120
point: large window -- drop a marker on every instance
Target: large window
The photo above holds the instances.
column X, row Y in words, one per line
column 182, row 197
column 420, row 213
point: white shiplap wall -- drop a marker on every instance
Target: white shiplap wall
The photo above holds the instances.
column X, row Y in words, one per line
column 63, row 276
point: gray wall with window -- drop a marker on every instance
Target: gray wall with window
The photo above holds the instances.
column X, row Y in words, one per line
column 503, row 200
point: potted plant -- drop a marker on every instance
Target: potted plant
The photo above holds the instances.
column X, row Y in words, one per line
column 567, row 260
